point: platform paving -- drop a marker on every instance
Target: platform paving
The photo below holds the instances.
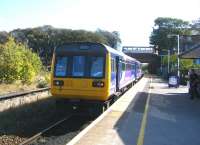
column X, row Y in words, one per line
column 169, row 117
column 173, row 119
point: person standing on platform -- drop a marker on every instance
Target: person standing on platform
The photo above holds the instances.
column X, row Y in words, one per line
column 193, row 79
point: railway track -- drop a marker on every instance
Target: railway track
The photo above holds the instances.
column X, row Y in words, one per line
column 61, row 131
column 57, row 130
column 19, row 94
column 38, row 135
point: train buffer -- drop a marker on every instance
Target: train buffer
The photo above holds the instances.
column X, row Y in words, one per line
column 149, row 113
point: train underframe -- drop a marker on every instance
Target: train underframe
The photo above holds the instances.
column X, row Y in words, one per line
column 89, row 107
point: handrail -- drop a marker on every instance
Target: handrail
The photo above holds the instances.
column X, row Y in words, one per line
column 138, row 50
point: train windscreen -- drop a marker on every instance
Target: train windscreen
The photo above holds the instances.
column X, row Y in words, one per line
column 61, row 66
column 97, row 64
column 80, row 66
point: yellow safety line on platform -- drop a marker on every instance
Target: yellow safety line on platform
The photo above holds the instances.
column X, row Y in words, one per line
column 140, row 140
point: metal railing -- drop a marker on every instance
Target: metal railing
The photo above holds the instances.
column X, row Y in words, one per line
column 138, row 50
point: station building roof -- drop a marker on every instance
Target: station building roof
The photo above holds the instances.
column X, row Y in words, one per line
column 193, row 53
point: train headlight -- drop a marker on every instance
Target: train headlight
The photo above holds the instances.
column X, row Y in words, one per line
column 99, row 84
column 58, row 83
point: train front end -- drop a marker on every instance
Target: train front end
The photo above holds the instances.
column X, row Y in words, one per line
column 79, row 72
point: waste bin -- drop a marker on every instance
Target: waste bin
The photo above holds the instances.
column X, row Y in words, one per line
column 173, row 81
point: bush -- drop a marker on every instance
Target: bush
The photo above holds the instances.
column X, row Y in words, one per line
column 47, row 77
column 42, row 83
column 185, row 64
column 17, row 62
column 43, row 79
column 145, row 68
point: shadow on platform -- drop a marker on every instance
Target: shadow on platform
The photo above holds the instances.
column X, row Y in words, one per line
column 172, row 119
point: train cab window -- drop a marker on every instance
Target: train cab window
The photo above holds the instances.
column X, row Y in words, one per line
column 97, row 64
column 61, row 66
column 78, row 66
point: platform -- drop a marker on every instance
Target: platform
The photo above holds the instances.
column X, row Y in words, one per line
column 149, row 113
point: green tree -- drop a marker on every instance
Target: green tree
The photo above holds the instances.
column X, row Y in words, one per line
column 113, row 38
column 3, row 37
column 17, row 62
column 44, row 39
column 185, row 64
column 195, row 25
column 163, row 27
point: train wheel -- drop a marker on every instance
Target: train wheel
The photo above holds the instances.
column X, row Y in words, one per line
column 97, row 109
column 112, row 101
column 101, row 108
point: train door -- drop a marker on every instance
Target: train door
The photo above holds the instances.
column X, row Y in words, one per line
column 136, row 71
column 117, row 74
column 113, row 75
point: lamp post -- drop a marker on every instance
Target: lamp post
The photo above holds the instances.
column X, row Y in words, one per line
column 168, row 59
column 172, row 35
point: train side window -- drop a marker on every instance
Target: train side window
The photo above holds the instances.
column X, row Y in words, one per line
column 78, row 66
column 61, row 66
column 127, row 66
column 123, row 66
column 97, row 67
column 113, row 68
column 133, row 66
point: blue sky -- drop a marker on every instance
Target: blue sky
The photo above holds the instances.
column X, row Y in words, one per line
column 134, row 19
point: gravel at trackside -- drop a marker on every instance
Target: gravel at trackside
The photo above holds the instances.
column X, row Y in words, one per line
column 64, row 132
column 16, row 125
column 19, row 124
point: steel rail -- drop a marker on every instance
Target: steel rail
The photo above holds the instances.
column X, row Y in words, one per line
column 19, row 94
column 36, row 136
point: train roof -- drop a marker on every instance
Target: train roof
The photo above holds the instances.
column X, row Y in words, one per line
column 118, row 53
column 90, row 47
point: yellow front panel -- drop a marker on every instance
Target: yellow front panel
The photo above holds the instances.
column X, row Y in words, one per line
column 81, row 88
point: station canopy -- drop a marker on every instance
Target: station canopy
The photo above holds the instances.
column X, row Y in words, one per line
column 193, row 53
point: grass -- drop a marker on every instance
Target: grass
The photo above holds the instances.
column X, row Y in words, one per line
column 42, row 80
column 15, row 87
